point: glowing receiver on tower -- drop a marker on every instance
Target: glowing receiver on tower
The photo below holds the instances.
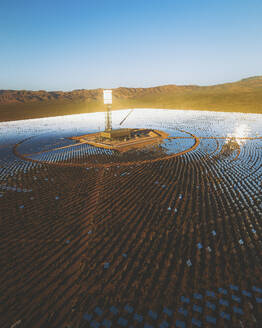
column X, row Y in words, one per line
column 107, row 97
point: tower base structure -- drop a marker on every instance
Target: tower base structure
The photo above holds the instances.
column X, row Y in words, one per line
column 123, row 139
column 116, row 134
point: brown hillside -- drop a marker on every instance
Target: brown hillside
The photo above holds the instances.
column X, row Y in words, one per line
column 242, row 96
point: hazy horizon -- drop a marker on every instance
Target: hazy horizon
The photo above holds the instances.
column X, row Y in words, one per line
column 63, row 46
column 136, row 87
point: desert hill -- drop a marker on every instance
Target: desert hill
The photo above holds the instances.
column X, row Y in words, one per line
column 242, row 96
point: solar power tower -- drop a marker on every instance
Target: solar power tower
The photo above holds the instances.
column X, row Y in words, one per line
column 108, row 113
column 109, row 133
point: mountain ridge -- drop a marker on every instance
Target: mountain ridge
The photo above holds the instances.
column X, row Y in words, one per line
column 244, row 95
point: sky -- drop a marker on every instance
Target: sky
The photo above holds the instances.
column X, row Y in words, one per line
column 88, row 44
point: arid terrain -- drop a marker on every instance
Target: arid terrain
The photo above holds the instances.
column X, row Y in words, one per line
column 242, row 96
column 170, row 241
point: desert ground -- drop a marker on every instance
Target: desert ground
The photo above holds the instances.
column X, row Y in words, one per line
column 146, row 238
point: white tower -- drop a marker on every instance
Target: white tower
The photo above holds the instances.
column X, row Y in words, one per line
column 108, row 115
